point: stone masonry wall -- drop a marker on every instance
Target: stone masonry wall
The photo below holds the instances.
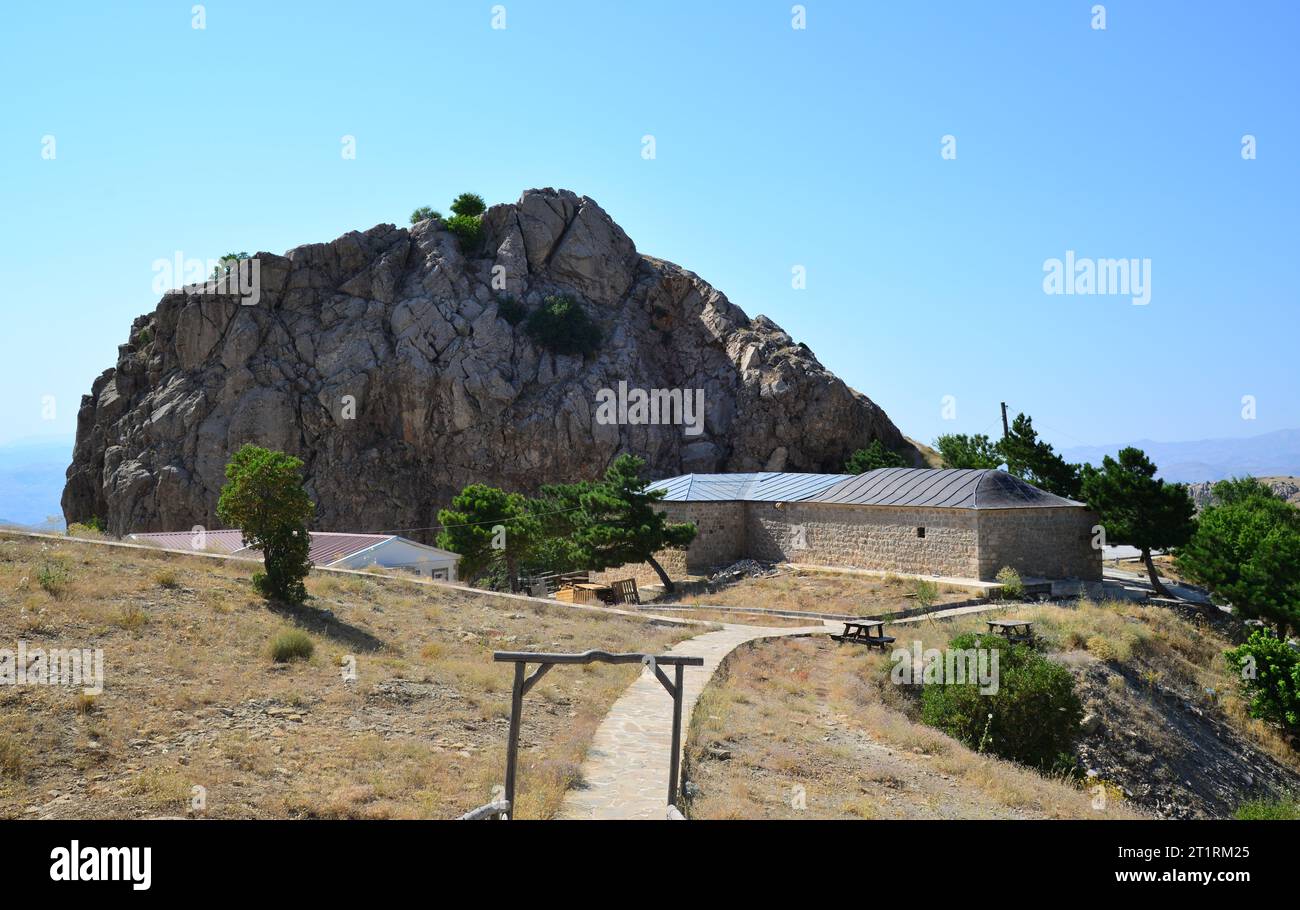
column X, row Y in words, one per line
column 719, row 541
column 877, row 537
column 1042, row 543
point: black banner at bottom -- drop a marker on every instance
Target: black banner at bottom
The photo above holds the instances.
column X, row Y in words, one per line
column 336, row 859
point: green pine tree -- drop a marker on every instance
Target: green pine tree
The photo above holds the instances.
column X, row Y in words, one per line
column 487, row 526
column 1137, row 509
column 872, row 457
column 619, row 523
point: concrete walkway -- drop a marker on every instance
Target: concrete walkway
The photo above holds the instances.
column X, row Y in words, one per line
column 626, row 768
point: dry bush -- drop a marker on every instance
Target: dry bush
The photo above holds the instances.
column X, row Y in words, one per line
column 132, row 618
column 290, row 645
column 12, row 756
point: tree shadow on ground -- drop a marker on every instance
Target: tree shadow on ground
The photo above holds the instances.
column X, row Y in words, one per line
column 325, row 623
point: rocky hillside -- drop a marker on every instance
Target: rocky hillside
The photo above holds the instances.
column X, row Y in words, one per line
column 1286, row 487
column 384, row 360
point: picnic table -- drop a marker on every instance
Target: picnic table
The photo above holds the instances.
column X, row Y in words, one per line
column 1020, row 630
column 869, row 632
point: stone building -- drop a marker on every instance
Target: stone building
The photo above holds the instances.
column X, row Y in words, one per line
column 963, row 523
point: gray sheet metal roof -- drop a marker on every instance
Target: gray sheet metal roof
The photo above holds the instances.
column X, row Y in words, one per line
column 767, row 486
column 327, row 547
column 948, row 488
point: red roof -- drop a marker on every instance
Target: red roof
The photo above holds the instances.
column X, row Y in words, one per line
column 212, row 541
column 330, row 546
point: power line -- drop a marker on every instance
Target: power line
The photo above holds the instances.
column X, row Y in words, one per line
column 467, row 524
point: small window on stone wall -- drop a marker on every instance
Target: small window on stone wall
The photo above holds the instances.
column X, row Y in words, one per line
column 920, row 532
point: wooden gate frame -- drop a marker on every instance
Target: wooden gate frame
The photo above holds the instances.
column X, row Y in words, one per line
column 545, row 661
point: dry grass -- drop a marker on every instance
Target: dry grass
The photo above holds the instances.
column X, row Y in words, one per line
column 807, row 590
column 192, row 696
column 85, row 532
column 813, row 733
column 930, row 456
column 827, row 718
column 753, row 619
column 11, row 756
column 1160, row 647
column 166, row 578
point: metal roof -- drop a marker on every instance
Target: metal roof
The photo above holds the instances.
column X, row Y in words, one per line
column 327, row 547
column 213, row 541
column 767, row 486
column 947, row 488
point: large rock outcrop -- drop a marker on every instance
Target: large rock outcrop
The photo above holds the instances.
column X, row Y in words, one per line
column 383, row 361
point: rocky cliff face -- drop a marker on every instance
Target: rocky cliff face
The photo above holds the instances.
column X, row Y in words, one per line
column 383, row 360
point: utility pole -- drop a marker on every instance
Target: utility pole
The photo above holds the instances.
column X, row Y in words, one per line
column 1006, row 431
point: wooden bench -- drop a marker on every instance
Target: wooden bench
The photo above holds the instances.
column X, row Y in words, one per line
column 1013, row 630
column 869, row 632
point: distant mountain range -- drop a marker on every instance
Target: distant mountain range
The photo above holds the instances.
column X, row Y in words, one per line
column 31, row 481
column 1271, row 454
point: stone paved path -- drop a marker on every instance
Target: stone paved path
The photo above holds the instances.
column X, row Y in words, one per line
column 626, row 768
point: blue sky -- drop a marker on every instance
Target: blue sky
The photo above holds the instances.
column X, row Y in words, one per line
column 775, row 147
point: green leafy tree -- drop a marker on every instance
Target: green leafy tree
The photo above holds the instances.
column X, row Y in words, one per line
column 1031, row 459
column 487, row 526
column 1137, row 509
column 424, row 213
column 1239, row 489
column 1246, row 550
column 265, row 499
column 1033, row 718
column 1269, row 669
column 961, row 451
column 619, row 524
column 872, row 457
column 469, row 204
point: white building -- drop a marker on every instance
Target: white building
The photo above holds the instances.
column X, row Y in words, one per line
column 329, row 549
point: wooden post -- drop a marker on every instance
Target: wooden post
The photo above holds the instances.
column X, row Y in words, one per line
column 512, row 745
column 524, row 683
column 675, row 762
column 1006, row 431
